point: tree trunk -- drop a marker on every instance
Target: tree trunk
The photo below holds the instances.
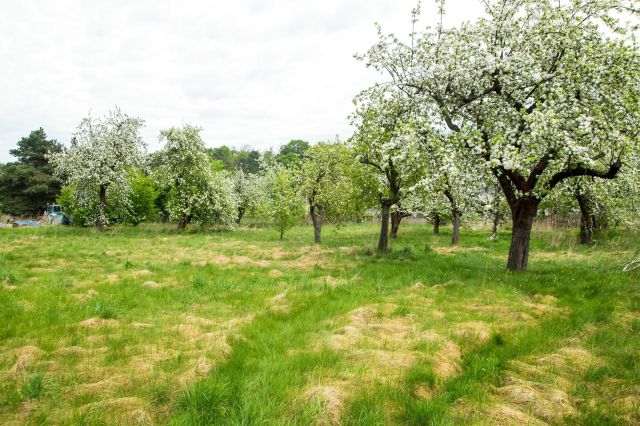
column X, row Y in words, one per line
column 281, row 234
column 496, row 223
column 317, row 224
column 587, row 220
column 455, row 236
column 396, row 218
column 383, row 242
column 455, row 213
column 103, row 208
column 436, row 224
column 523, row 211
column 182, row 223
column 240, row 215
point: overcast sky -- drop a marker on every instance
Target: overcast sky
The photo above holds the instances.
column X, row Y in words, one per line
column 249, row 72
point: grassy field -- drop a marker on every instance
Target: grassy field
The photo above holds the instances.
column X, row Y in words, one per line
column 150, row 326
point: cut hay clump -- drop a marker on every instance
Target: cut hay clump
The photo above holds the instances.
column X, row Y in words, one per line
column 96, row 322
column 330, row 401
column 275, row 273
column 26, row 357
column 86, row 296
column 477, row 332
column 540, row 387
column 127, row 410
column 279, row 303
column 151, row 284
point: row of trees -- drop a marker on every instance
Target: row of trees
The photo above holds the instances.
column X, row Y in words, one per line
column 109, row 178
column 541, row 97
column 533, row 107
column 398, row 168
column 29, row 184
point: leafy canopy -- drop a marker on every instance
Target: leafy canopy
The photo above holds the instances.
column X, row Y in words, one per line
column 98, row 163
column 29, row 184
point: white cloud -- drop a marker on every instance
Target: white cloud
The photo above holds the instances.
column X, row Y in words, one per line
column 249, row 72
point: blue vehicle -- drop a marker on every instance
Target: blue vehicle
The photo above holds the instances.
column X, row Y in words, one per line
column 55, row 215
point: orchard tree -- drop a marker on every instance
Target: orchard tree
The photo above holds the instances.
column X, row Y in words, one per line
column 598, row 203
column 99, row 160
column 541, row 91
column 283, row 204
column 604, row 203
column 220, row 206
column 451, row 176
column 495, row 207
column 386, row 143
column 247, row 190
column 329, row 186
column 196, row 193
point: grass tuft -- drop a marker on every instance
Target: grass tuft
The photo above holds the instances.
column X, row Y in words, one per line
column 33, row 387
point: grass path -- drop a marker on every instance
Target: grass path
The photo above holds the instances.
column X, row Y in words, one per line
column 146, row 326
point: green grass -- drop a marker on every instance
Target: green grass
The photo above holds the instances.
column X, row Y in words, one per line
column 141, row 325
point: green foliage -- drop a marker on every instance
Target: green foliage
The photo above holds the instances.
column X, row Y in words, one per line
column 246, row 159
column 143, row 198
column 224, row 155
column 195, row 192
column 283, row 205
column 66, row 200
column 84, row 210
column 330, row 183
column 28, row 185
column 292, row 153
column 81, row 214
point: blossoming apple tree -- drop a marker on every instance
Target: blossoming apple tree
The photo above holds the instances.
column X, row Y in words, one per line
column 541, row 91
column 247, row 190
column 99, row 161
column 451, row 180
column 196, row 193
column 385, row 142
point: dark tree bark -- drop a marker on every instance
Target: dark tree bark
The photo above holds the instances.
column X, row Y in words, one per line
column 497, row 218
column 523, row 211
column 386, row 201
column 103, row 207
column 316, row 219
column 182, row 223
column 455, row 236
column 383, row 242
column 456, row 214
column 240, row 215
column 587, row 219
column 436, row 224
column 395, row 224
column 396, row 218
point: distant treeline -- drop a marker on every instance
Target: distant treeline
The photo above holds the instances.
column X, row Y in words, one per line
column 28, row 184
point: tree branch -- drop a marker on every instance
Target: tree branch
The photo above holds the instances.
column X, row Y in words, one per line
column 583, row 171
